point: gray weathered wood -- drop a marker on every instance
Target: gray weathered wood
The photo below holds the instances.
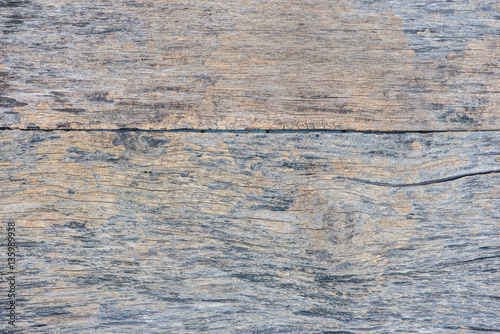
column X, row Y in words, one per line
column 322, row 64
column 137, row 232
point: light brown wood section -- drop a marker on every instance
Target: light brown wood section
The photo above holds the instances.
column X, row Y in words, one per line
column 250, row 64
column 136, row 232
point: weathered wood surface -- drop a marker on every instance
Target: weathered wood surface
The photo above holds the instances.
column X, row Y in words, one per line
column 322, row 64
column 136, row 232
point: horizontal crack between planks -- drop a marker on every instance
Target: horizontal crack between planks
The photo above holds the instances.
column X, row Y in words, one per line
column 249, row 131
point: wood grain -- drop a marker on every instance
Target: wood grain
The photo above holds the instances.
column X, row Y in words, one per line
column 250, row 64
column 142, row 232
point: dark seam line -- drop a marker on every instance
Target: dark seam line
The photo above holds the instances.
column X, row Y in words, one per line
column 376, row 132
column 416, row 184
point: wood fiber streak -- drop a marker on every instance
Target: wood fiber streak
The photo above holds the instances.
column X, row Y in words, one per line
column 136, row 232
column 250, row 64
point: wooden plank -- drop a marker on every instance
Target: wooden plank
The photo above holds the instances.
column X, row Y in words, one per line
column 137, row 232
column 250, row 64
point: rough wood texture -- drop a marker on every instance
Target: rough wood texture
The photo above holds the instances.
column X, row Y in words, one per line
column 322, row 64
column 163, row 232
column 130, row 232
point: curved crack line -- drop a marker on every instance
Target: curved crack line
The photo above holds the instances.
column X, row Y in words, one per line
column 416, row 184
